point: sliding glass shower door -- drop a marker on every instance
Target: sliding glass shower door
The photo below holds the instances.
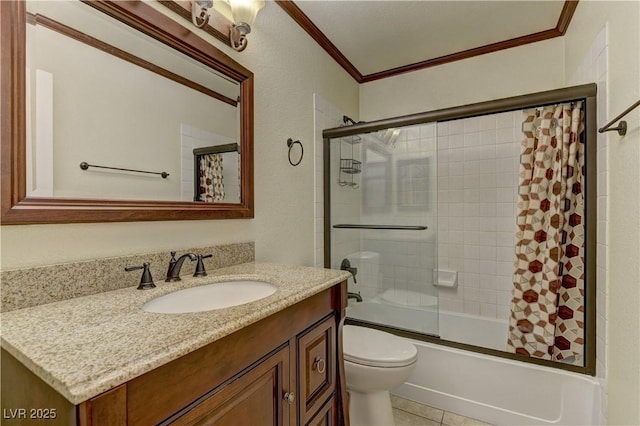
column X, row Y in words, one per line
column 381, row 221
column 478, row 227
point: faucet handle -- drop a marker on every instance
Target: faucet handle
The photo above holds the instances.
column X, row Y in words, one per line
column 146, row 281
column 173, row 255
column 346, row 266
column 200, row 272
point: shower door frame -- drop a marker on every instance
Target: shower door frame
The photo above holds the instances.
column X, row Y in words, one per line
column 586, row 93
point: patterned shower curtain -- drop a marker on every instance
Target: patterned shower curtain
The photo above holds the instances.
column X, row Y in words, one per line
column 211, row 186
column 547, row 311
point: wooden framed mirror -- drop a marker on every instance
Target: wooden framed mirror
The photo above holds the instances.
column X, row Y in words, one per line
column 122, row 176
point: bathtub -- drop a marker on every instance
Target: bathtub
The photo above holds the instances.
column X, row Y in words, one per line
column 492, row 389
column 461, row 328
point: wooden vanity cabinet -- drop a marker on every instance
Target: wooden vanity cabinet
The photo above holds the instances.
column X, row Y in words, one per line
column 264, row 395
column 280, row 371
column 286, row 369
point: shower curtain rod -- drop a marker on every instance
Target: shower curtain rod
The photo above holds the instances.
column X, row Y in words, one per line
column 621, row 128
column 217, row 149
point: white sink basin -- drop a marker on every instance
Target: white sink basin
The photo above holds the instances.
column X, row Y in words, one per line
column 209, row 297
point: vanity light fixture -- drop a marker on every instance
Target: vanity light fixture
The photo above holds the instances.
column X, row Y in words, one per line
column 241, row 12
column 200, row 12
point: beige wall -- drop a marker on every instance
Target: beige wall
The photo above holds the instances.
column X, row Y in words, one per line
column 623, row 76
column 497, row 75
column 289, row 67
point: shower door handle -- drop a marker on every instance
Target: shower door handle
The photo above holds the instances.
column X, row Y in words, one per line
column 382, row 227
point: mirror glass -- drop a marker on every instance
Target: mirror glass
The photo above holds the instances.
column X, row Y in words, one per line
column 102, row 97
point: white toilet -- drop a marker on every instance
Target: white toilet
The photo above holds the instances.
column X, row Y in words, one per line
column 374, row 363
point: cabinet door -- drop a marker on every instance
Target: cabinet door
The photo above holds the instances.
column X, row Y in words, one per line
column 253, row 398
column 317, row 367
column 107, row 409
column 326, row 416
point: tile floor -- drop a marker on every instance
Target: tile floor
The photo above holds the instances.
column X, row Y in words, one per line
column 409, row 413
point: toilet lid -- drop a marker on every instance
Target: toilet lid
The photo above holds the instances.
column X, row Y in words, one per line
column 376, row 348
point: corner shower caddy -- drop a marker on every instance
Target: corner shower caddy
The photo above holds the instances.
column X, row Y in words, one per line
column 349, row 166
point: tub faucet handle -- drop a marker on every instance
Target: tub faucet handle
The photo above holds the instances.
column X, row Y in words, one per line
column 346, row 266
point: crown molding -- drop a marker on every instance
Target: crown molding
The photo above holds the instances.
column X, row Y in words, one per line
column 306, row 24
column 323, row 41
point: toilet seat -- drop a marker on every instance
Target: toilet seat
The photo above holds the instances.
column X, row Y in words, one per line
column 374, row 348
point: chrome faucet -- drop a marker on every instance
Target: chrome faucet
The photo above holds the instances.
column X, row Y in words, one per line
column 173, row 273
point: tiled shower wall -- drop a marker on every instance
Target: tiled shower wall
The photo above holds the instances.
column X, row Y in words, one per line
column 477, row 187
column 475, row 161
column 386, row 260
column 406, row 258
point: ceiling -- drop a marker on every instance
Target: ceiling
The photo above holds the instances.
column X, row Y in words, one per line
column 377, row 39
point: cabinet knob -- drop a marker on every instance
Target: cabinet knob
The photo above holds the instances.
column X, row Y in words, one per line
column 319, row 365
column 289, row 397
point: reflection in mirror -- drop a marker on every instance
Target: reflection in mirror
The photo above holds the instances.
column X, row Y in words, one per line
column 104, row 94
column 215, row 165
column 507, row 192
column 101, row 111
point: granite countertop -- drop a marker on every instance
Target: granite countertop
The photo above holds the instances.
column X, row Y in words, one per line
column 84, row 346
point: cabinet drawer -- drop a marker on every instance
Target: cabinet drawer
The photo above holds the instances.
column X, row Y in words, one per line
column 317, row 367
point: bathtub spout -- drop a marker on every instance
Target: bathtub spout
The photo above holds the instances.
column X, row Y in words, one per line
column 356, row 296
